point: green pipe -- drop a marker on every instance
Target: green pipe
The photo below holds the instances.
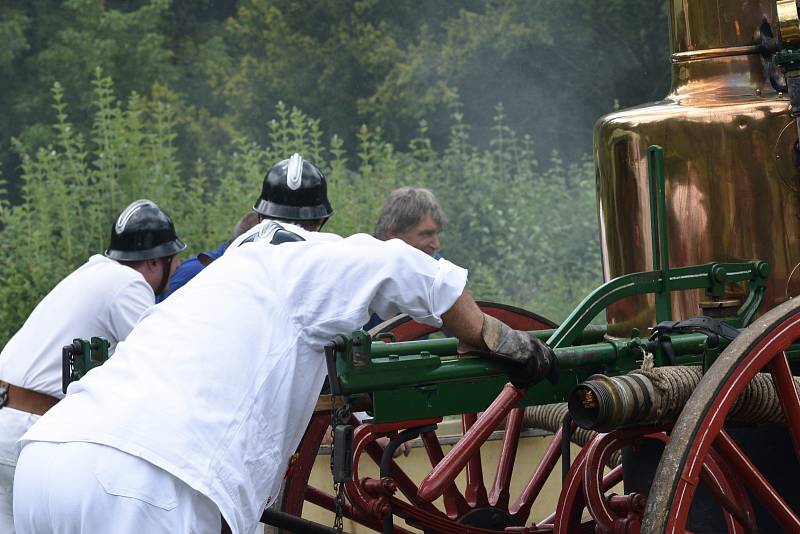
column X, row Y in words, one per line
column 448, row 346
column 658, row 227
column 390, row 373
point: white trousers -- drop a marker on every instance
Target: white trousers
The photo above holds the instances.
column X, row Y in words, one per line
column 13, row 424
column 86, row 488
column 6, row 515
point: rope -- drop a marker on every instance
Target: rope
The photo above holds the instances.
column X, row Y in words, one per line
column 550, row 416
column 672, row 387
column 758, row 403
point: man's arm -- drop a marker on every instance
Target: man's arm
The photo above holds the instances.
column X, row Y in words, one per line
column 464, row 320
column 478, row 333
column 125, row 308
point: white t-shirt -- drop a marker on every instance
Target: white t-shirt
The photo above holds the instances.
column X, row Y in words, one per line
column 100, row 298
column 217, row 383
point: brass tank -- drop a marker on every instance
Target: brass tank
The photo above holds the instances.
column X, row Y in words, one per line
column 733, row 191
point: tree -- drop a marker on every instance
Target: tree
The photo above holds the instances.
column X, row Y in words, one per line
column 527, row 234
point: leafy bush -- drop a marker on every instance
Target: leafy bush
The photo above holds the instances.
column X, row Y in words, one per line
column 526, row 231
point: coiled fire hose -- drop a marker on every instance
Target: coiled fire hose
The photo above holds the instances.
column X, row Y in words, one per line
column 648, row 396
column 655, row 395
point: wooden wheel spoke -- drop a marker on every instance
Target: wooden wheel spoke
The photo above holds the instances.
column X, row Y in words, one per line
column 475, row 492
column 454, row 503
column 505, row 466
column 755, row 481
column 739, row 514
column 445, row 472
column 571, row 501
column 787, row 394
column 612, row 478
column 521, row 508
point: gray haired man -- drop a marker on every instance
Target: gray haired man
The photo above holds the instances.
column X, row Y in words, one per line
column 413, row 215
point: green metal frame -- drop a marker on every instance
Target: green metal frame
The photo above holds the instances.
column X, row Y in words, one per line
column 81, row 357
column 421, row 379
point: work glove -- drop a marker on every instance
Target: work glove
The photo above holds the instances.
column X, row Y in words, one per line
column 528, row 359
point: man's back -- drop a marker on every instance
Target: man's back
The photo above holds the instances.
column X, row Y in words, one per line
column 100, row 298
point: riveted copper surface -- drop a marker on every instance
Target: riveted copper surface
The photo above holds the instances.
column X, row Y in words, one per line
column 732, row 187
column 707, row 24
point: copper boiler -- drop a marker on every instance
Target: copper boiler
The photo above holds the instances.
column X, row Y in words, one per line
column 733, row 190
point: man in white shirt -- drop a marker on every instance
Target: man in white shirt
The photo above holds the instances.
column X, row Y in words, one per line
column 104, row 297
column 203, row 404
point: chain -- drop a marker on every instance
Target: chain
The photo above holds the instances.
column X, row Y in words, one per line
column 338, row 416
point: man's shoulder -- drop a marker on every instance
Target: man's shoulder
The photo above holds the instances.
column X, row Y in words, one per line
column 325, row 237
column 101, row 275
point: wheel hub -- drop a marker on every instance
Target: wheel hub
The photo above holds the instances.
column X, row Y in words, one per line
column 490, row 518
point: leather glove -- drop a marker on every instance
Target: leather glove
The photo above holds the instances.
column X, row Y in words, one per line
column 529, row 359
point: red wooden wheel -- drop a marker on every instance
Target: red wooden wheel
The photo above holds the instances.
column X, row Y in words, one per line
column 699, row 429
column 480, row 508
column 585, row 504
column 588, row 487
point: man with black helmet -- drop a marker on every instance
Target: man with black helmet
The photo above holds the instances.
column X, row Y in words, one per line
column 294, row 195
column 104, row 297
column 295, row 191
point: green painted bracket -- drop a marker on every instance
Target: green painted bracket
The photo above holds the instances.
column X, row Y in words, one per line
column 81, row 357
column 711, row 276
column 658, row 230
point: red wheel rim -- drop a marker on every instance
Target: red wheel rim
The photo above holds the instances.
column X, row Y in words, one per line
column 700, row 425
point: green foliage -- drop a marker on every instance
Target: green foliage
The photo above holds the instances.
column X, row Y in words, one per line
column 526, row 233
column 392, row 64
column 224, row 66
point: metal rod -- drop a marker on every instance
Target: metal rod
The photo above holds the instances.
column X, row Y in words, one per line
column 658, row 228
column 566, row 436
column 386, row 463
column 293, row 523
column 448, row 346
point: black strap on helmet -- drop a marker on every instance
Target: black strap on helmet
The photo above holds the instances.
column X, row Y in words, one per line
column 166, row 264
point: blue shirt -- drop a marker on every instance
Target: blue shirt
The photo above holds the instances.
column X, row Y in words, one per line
column 187, row 270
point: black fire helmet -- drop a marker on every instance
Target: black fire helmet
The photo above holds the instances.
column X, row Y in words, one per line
column 143, row 232
column 294, row 190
